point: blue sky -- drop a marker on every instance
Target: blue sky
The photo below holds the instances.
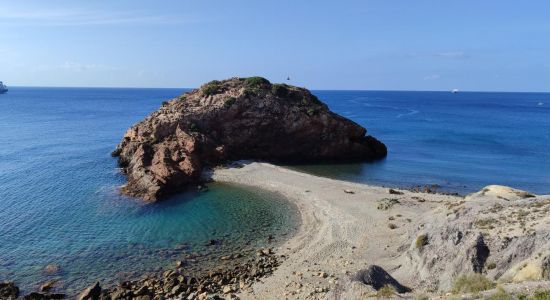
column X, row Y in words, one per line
column 375, row 45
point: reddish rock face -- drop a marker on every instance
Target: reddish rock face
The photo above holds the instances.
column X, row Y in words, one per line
column 238, row 118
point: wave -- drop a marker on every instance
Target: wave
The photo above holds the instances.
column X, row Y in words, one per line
column 410, row 113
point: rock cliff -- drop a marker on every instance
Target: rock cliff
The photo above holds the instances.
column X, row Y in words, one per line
column 238, row 118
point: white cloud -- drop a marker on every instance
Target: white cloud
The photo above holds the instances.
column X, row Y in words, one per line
column 432, row 77
column 452, row 54
column 74, row 67
column 76, row 17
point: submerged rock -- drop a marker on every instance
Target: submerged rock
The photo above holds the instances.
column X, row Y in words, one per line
column 235, row 119
column 378, row 278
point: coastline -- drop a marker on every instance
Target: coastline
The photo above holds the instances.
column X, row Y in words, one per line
column 348, row 226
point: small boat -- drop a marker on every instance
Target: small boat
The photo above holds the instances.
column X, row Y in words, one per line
column 3, row 88
column 454, row 91
column 541, row 104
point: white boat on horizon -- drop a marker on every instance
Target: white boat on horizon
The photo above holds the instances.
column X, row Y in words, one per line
column 3, row 88
column 454, row 91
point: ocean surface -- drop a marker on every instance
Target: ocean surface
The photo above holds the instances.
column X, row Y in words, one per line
column 461, row 142
column 59, row 202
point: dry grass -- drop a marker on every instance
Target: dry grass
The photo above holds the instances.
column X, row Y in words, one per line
column 421, row 241
column 385, row 292
column 472, row 283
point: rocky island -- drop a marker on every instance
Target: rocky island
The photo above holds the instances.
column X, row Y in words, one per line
column 237, row 118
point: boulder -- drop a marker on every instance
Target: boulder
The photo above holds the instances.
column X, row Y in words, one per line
column 377, row 277
column 501, row 192
column 8, row 290
column 238, row 118
column 91, row 293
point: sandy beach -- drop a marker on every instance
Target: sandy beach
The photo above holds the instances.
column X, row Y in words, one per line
column 347, row 227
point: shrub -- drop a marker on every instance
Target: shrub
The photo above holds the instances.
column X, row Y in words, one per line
column 310, row 111
column 279, row 90
column 421, row 241
column 392, row 226
column 541, row 295
column 164, row 103
column 211, row 88
column 385, row 292
column 487, row 223
column 256, row 81
column 491, row 265
column 501, row 294
column 473, row 283
column 229, row 101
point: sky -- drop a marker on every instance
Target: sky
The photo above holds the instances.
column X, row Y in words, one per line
column 365, row 45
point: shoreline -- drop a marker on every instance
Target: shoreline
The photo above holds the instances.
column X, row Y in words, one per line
column 345, row 227
column 348, row 226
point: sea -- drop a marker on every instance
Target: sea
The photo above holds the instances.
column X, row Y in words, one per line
column 60, row 205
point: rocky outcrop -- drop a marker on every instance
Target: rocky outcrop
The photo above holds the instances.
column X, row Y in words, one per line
column 235, row 119
column 378, row 278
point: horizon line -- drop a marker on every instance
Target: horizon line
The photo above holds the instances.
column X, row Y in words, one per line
column 311, row 89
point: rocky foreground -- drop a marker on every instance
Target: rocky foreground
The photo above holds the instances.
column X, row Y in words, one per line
column 238, row 118
column 235, row 273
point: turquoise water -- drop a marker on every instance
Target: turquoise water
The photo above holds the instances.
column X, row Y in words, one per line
column 59, row 202
column 58, row 184
column 461, row 142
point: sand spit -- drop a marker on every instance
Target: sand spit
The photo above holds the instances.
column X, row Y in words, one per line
column 424, row 241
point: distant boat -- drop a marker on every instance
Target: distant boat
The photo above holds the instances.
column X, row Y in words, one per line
column 541, row 104
column 454, row 91
column 3, row 88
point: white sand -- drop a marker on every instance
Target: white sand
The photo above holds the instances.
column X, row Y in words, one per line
column 342, row 232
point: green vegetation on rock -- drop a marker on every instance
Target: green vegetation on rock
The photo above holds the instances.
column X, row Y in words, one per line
column 256, row 81
column 230, row 101
column 212, row 88
column 279, row 90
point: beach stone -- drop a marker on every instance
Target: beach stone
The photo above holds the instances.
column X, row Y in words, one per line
column 394, row 192
column 377, row 277
column 8, row 290
column 48, row 285
column 91, row 293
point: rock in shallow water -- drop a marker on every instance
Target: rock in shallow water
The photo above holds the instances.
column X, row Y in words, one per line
column 8, row 290
column 235, row 119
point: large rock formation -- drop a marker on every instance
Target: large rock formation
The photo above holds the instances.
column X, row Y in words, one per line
column 238, row 118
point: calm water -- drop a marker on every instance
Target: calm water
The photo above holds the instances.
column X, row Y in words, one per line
column 59, row 202
column 460, row 141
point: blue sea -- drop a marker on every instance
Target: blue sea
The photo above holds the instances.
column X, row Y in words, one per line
column 60, row 205
column 461, row 142
column 59, row 202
